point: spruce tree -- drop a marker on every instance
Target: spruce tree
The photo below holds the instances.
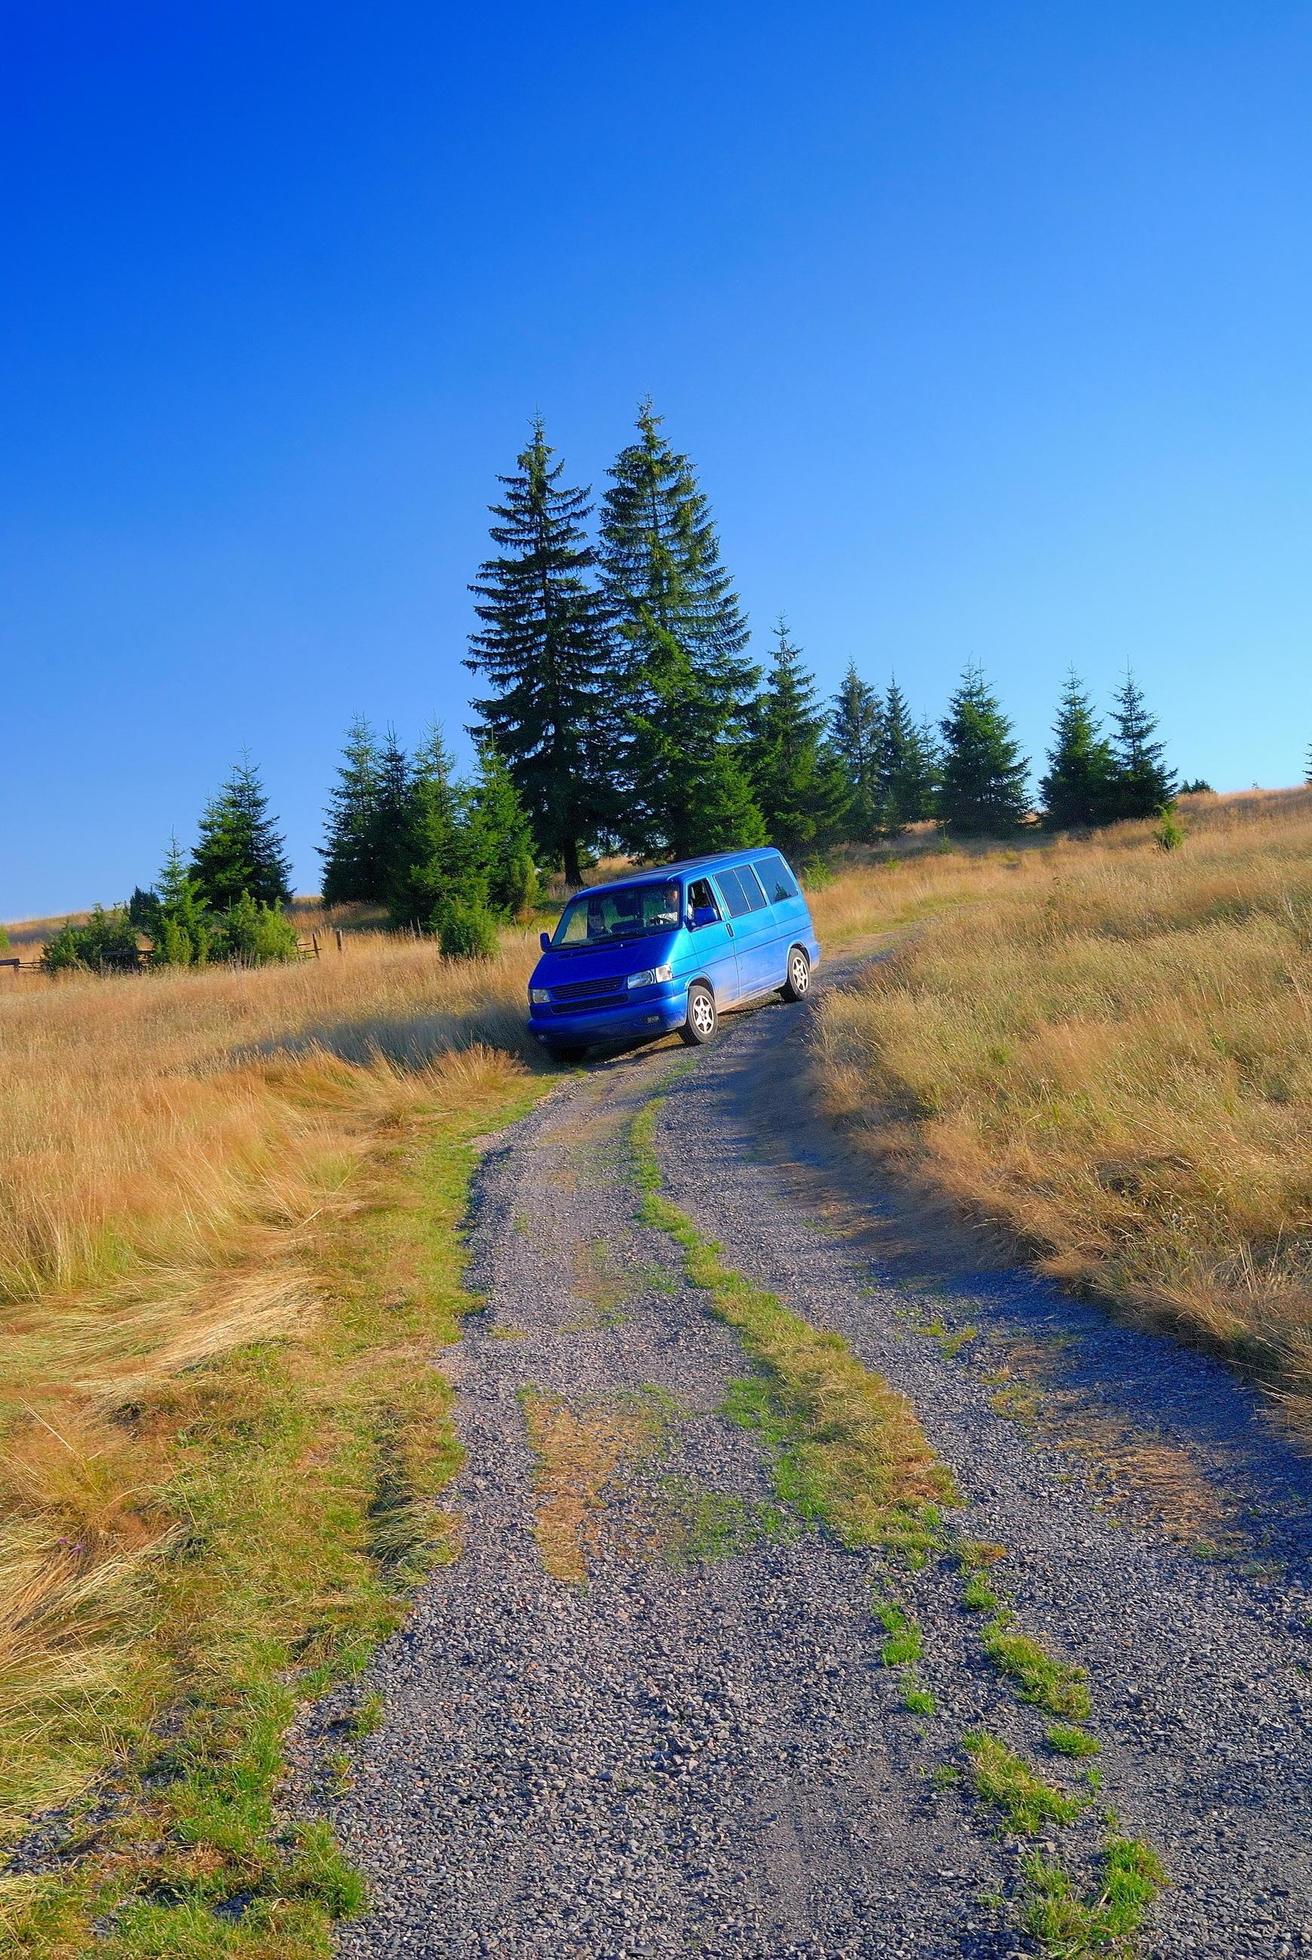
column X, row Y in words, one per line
column 681, row 638
column 185, row 930
column 797, row 781
column 239, row 848
column 1307, row 767
column 351, row 870
column 1142, row 784
column 982, row 792
column 391, row 817
column 500, row 837
column 1077, row 789
column 856, row 735
column 433, row 858
column 544, row 648
column 907, row 764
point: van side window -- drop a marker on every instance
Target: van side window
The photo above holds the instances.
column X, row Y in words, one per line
column 779, row 880
column 752, row 886
column 701, row 897
column 742, row 892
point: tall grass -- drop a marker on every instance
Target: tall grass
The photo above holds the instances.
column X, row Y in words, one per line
column 1107, row 1048
column 148, row 1118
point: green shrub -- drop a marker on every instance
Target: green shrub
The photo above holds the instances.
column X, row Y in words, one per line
column 105, row 940
column 1170, row 831
column 254, row 935
column 520, row 883
column 466, row 931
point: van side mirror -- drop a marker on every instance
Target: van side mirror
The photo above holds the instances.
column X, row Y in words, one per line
column 702, row 915
column 544, row 941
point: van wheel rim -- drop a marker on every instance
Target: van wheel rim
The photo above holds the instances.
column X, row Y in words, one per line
column 703, row 1013
column 801, row 974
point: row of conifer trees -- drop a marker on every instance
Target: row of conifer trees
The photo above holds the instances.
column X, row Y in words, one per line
column 620, row 708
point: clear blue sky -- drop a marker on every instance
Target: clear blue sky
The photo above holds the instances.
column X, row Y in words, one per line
column 989, row 328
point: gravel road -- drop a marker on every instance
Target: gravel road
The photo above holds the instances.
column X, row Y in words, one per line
column 696, row 1754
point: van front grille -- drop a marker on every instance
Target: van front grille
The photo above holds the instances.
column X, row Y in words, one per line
column 588, row 989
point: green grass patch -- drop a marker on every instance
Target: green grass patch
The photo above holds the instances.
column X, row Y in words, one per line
column 847, row 1450
column 904, row 1643
column 918, row 1701
column 1069, row 1927
column 1058, row 1686
column 1006, row 1781
column 1067, row 1741
column 978, row 1594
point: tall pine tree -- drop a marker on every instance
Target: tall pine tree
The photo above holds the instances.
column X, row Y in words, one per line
column 239, row 848
column 1142, row 783
column 687, row 683
column 433, row 868
column 183, row 930
column 1077, row 789
column 856, row 732
column 906, row 766
column 501, row 840
column 351, row 868
column 391, row 818
column 982, row 792
column 544, row 649
column 798, row 783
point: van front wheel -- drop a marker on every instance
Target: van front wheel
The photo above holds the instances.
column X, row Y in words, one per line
column 700, row 1024
column 798, row 983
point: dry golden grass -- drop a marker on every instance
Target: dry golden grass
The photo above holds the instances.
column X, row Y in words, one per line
column 1108, row 1049
column 579, row 1452
column 148, row 1118
column 163, row 1524
column 174, row 1147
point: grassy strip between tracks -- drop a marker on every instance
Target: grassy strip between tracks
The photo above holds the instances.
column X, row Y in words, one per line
column 848, row 1450
column 289, row 1492
column 849, row 1453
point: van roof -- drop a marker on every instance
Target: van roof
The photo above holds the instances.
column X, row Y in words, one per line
column 655, row 873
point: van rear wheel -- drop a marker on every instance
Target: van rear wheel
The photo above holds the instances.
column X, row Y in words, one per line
column 700, row 1024
column 798, row 983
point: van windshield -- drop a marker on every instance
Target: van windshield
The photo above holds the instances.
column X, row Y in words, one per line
column 619, row 913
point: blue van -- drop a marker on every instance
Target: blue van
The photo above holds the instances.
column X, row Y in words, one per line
column 671, row 949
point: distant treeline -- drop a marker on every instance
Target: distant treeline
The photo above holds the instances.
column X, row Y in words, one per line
column 620, row 709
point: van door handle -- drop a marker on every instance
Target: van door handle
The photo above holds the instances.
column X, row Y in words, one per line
column 728, row 928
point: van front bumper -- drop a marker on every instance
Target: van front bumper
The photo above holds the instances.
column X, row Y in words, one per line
column 655, row 1011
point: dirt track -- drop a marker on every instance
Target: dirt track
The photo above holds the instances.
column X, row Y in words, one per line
column 703, row 1754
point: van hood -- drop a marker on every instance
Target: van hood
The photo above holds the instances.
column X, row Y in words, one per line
column 563, row 966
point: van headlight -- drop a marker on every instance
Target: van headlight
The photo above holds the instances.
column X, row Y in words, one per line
column 651, row 976
column 539, row 996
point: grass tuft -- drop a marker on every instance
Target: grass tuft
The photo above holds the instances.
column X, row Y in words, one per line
column 1068, row 1927
column 1058, row 1686
column 905, row 1643
column 1003, row 1779
column 1067, row 1741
